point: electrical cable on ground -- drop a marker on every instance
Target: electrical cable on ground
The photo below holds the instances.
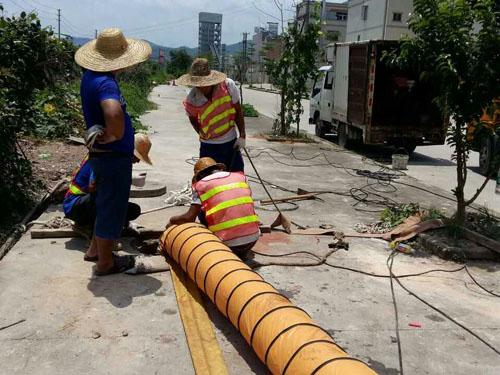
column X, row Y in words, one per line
column 392, row 276
column 390, row 262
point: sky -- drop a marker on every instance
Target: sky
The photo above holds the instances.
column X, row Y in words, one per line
column 170, row 23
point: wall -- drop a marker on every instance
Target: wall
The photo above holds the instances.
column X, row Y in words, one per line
column 373, row 27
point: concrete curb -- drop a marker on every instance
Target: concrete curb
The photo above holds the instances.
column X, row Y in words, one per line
column 437, row 243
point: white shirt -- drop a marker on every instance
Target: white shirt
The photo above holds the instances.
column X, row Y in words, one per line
column 237, row 241
column 196, row 98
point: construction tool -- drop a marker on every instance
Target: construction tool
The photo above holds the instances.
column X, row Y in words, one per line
column 281, row 219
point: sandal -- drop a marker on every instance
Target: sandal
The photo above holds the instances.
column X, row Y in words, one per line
column 86, row 258
column 120, row 264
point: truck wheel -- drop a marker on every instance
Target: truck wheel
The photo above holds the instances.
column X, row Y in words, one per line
column 343, row 140
column 319, row 129
column 410, row 147
column 485, row 156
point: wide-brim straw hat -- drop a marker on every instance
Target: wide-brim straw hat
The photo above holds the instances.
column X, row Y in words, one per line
column 142, row 145
column 206, row 163
column 112, row 51
column 200, row 75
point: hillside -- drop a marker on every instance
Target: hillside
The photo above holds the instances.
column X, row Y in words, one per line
column 230, row 48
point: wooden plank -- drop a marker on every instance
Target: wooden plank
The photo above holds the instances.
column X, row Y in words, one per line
column 54, row 233
column 481, row 240
column 205, row 351
column 292, row 198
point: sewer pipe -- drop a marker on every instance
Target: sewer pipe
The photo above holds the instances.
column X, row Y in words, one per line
column 283, row 336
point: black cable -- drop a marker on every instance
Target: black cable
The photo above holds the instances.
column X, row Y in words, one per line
column 448, row 317
column 390, row 261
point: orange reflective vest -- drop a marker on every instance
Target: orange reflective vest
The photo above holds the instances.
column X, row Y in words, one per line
column 228, row 206
column 217, row 116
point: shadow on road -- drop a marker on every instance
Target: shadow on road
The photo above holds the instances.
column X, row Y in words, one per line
column 120, row 289
column 232, row 335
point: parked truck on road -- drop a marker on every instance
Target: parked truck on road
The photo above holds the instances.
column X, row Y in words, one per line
column 363, row 99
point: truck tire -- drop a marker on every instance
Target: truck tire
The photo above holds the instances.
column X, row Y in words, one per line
column 319, row 129
column 485, row 156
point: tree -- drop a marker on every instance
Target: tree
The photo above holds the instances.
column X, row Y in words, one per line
column 456, row 47
column 240, row 65
column 180, row 62
column 291, row 71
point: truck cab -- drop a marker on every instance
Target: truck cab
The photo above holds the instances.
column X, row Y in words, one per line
column 321, row 99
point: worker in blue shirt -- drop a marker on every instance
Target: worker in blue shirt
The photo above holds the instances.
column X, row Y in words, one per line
column 110, row 156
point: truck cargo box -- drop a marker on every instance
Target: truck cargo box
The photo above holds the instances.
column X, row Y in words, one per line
column 386, row 104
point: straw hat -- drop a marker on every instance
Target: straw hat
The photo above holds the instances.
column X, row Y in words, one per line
column 142, row 145
column 203, row 164
column 200, row 75
column 112, row 51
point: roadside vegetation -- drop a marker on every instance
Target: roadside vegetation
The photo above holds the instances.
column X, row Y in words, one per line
column 249, row 110
column 40, row 102
column 293, row 69
column 456, row 48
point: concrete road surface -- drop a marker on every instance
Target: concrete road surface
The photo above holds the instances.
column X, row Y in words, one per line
column 431, row 164
column 76, row 323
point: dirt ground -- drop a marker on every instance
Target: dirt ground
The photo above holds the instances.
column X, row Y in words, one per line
column 52, row 160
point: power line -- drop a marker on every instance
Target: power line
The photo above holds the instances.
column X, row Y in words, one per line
column 264, row 12
column 43, row 5
column 177, row 23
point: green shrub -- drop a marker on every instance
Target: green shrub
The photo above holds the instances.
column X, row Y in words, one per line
column 31, row 60
column 58, row 112
column 249, row 110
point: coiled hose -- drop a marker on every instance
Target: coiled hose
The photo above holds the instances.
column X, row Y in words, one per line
column 282, row 335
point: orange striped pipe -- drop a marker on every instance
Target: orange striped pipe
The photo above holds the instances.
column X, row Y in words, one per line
column 282, row 335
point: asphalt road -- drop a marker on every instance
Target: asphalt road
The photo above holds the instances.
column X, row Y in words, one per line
column 431, row 164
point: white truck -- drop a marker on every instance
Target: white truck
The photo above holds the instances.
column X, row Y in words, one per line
column 364, row 100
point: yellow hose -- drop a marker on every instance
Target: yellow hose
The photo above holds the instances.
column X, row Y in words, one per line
column 282, row 335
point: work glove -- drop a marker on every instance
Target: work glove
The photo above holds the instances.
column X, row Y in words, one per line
column 240, row 143
column 92, row 134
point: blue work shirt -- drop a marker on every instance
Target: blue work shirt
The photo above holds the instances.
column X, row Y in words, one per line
column 80, row 184
column 96, row 87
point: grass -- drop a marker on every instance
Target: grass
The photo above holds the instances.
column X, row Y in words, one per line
column 137, row 102
column 249, row 110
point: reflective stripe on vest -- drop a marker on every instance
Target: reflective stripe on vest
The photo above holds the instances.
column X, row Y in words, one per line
column 75, row 190
column 230, row 203
column 234, row 223
column 236, row 185
column 215, row 117
column 215, row 104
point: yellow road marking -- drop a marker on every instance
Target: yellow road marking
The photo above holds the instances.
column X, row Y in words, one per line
column 203, row 346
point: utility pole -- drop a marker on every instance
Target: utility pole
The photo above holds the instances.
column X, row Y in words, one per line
column 307, row 12
column 59, row 24
column 243, row 65
column 384, row 30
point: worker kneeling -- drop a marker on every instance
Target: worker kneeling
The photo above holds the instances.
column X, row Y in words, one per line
column 223, row 202
column 80, row 200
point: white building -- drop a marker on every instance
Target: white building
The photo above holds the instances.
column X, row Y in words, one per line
column 334, row 17
column 378, row 19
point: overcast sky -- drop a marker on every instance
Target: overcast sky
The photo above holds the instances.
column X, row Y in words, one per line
column 170, row 23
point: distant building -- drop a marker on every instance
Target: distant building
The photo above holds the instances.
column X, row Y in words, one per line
column 210, row 36
column 261, row 37
column 334, row 17
column 378, row 19
column 263, row 40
